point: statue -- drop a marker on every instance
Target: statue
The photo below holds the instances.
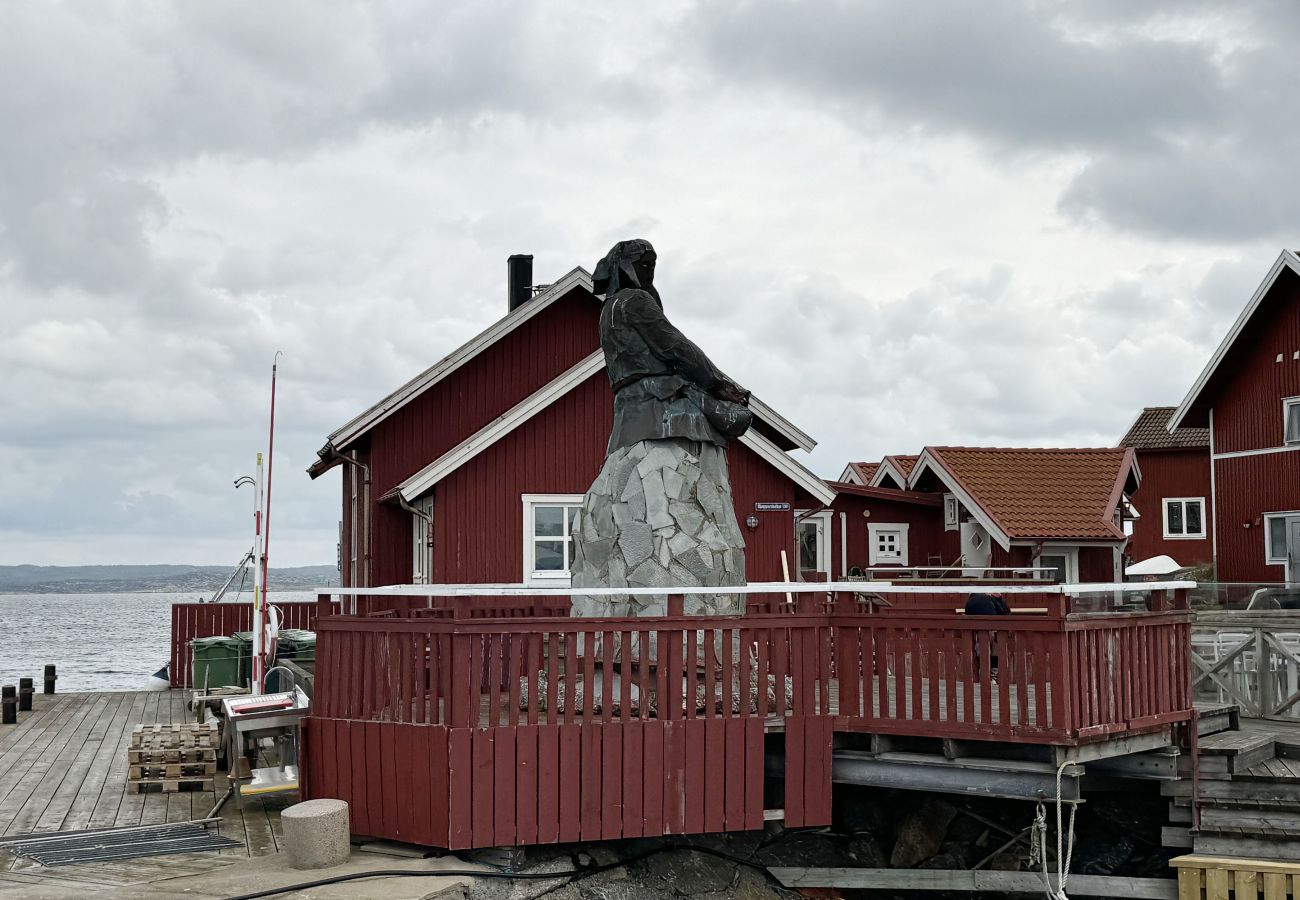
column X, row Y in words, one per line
column 660, row 512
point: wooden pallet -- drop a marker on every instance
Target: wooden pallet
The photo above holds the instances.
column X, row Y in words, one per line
column 1217, row 878
column 171, row 785
column 178, row 736
column 172, row 770
column 171, row 755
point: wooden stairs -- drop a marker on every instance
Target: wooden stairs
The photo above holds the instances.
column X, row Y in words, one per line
column 1249, row 795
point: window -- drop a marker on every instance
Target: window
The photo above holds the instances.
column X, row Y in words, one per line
column 1063, row 560
column 888, row 544
column 1184, row 517
column 1278, row 526
column 951, row 513
column 1291, row 420
column 549, row 523
column 812, row 534
column 422, row 543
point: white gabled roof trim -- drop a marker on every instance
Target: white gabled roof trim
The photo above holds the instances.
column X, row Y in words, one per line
column 422, row 481
column 927, row 463
column 438, row 371
column 850, row 475
column 782, row 425
column 576, row 278
column 788, row 466
column 489, row 434
column 888, row 468
column 1286, row 259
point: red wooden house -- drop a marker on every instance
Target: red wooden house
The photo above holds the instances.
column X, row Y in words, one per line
column 470, row 472
column 985, row 508
column 1173, row 503
column 1248, row 397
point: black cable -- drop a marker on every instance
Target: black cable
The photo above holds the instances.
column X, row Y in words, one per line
column 573, row 875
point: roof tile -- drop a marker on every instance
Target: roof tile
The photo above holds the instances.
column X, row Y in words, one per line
column 1151, row 432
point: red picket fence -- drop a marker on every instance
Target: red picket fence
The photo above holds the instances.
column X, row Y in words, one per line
column 198, row 620
column 472, row 732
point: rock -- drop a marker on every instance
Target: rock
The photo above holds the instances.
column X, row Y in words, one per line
column 1102, row 855
column 861, row 810
column 951, row 855
column 867, row 852
column 316, row 834
column 697, row 872
column 655, row 518
column 804, row 848
column 921, row 832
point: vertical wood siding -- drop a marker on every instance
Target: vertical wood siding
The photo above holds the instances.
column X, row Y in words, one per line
column 1170, row 473
column 478, row 514
column 1248, row 487
column 926, row 536
column 1248, row 403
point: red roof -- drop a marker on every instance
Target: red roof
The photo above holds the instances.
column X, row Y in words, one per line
column 864, row 470
column 904, row 464
column 1150, row 431
column 1035, row 493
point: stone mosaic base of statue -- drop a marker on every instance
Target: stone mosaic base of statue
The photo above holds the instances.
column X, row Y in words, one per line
column 660, row 514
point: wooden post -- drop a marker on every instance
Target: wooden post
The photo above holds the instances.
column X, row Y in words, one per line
column 676, row 605
column 24, row 695
column 50, row 678
column 10, row 703
column 324, row 605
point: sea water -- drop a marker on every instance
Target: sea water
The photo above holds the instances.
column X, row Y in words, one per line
column 100, row 642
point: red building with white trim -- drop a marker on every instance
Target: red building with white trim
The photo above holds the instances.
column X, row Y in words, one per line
column 470, row 472
column 1248, row 397
column 1173, row 503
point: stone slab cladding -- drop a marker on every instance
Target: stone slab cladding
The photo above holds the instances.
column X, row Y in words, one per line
column 660, row 514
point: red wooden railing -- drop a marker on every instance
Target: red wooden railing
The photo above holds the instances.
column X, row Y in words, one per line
column 536, row 730
column 198, row 620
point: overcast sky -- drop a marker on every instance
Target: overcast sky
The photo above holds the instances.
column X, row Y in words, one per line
column 898, row 223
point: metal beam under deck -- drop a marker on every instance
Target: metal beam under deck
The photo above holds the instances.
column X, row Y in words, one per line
column 968, row 777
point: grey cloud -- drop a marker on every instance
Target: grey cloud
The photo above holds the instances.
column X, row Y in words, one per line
column 1177, row 110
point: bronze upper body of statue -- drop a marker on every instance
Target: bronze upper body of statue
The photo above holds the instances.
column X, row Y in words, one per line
column 664, row 385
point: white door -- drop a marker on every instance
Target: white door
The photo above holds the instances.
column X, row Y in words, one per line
column 812, row 539
column 1292, row 550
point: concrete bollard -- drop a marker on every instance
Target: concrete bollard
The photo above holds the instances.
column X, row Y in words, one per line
column 24, row 695
column 9, row 700
column 316, row 834
column 50, row 678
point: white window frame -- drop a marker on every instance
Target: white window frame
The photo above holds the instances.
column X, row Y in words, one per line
column 422, row 543
column 1071, row 554
column 873, row 552
column 1269, row 558
column 1164, row 512
column 1287, row 403
column 559, row 578
column 951, row 513
column 822, row 518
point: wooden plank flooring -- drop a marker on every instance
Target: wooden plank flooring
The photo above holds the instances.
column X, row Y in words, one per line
column 63, row 767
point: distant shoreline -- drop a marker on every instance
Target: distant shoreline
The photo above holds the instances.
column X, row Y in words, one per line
column 151, row 579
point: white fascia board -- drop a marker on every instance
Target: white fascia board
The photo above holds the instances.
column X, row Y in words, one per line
column 781, row 424
column 498, row 428
column 1286, row 259
column 928, row 463
column 888, row 468
column 850, row 475
column 438, row 371
column 788, row 466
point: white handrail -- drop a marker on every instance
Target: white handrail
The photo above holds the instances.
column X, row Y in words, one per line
column 766, row 587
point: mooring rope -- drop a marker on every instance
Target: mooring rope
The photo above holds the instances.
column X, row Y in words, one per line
column 1064, row 843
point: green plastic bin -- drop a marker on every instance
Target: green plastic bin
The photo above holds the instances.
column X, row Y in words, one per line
column 297, row 644
column 245, row 641
column 216, row 662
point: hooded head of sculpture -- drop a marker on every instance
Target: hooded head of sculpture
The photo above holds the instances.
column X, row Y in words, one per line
column 628, row 264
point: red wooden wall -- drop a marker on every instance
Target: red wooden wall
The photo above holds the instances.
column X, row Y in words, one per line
column 1171, row 473
column 925, row 536
column 1251, row 381
column 1248, row 487
column 197, row 620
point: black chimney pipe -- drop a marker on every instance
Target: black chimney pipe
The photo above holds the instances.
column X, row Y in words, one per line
column 520, row 288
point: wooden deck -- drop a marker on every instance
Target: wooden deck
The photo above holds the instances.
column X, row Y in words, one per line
column 63, row 767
